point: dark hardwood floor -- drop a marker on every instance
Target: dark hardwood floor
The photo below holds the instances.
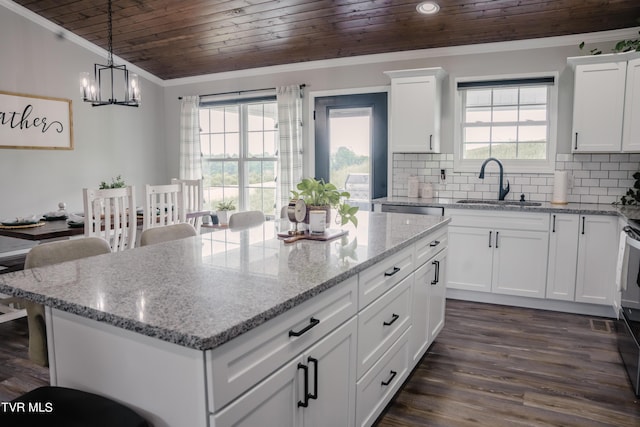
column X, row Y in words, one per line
column 491, row 366
column 18, row 374
column 503, row 366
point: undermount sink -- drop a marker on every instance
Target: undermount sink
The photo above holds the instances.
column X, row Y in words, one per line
column 498, row 202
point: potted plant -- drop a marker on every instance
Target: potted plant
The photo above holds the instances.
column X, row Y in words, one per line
column 116, row 182
column 224, row 211
column 320, row 195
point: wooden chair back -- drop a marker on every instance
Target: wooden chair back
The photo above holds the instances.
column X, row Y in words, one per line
column 164, row 205
column 111, row 214
column 193, row 199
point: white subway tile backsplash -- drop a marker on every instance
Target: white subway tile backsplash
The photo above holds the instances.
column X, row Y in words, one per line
column 593, row 178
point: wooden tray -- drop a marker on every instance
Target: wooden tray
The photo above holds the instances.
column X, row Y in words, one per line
column 13, row 227
column 328, row 235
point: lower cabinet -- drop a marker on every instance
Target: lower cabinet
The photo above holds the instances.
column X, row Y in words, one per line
column 583, row 250
column 504, row 253
column 597, row 254
column 428, row 304
column 563, row 257
column 315, row 389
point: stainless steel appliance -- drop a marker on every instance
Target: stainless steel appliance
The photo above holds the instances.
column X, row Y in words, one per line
column 628, row 323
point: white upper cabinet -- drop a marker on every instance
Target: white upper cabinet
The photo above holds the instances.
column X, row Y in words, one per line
column 606, row 99
column 631, row 127
column 415, row 110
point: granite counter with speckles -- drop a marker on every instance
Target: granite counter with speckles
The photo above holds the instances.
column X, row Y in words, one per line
column 629, row 212
column 203, row 291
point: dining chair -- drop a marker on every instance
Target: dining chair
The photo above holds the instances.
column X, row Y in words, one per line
column 152, row 236
column 193, row 200
column 111, row 214
column 247, row 219
column 164, row 205
column 48, row 254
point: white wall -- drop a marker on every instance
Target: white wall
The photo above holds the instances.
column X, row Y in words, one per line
column 109, row 140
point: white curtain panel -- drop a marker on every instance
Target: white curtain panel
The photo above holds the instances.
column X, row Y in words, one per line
column 290, row 147
column 190, row 154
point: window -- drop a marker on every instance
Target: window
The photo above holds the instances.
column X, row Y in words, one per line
column 512, row 120
column 239, row 162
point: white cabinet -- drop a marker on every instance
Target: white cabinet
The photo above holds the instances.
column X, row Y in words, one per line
column 563, row 256
column 415, row 110
column 597, row 255
column 471, row 265
column 504, row 253
column 583, row 251
column 606, row 103
column 598, row 105
column 631, row 125
column 315, row 389
column 428, row 304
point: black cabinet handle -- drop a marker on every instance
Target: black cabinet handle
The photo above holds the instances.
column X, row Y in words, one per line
column 430, row 142
column 315, row 378
column 576, row 146
column 312, row 322
column 391, row 377
column 497, row 233
column 434, row 243
column 490, row 238
column 554, row 224
column 436, row 279
column 305, row 368
column 583, row 218
column 394, row 317
column 392, row 272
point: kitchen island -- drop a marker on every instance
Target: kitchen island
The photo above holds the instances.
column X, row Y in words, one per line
column 233, row 327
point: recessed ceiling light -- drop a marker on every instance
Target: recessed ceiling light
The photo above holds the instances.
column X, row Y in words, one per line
column 428, row 8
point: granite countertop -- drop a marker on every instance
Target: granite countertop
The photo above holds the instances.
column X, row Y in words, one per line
column 578, row 208
column 203, row 291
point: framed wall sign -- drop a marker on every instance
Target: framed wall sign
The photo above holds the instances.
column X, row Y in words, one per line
column 35, row 122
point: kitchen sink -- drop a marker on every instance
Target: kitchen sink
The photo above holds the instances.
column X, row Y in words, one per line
column 498, row 202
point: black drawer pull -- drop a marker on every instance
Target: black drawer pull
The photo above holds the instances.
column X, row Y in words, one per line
column 490, row 238
column 391, row 377
column 315, row 378
column 583, row 219
column 394, row 317
column 554, row 224
column 312, row 322
column 434, row 243
column 576, row 146
column 436, row 278
column 304, row 403
column 392, row 272
column 497, row 234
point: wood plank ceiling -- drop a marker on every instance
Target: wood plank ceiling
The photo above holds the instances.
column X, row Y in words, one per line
column 173, row 39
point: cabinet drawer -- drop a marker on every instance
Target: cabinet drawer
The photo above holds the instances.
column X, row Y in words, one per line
column 378, row 279
column 243, row 362
column 382, row 322
column 429, row 246
column 531, row 221
column 378, row 386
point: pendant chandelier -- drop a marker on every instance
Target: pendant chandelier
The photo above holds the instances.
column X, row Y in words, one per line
column 110, row 80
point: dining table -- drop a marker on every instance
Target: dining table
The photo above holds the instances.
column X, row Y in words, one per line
column 56, row 229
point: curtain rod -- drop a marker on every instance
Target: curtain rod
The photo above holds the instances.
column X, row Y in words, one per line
column 240, row 92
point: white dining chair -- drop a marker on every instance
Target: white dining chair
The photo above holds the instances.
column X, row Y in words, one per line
column 111, row 214
column 193, row 199
column 155, row 235
column 48, row 254
column 244, row 220
column 164, row 205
